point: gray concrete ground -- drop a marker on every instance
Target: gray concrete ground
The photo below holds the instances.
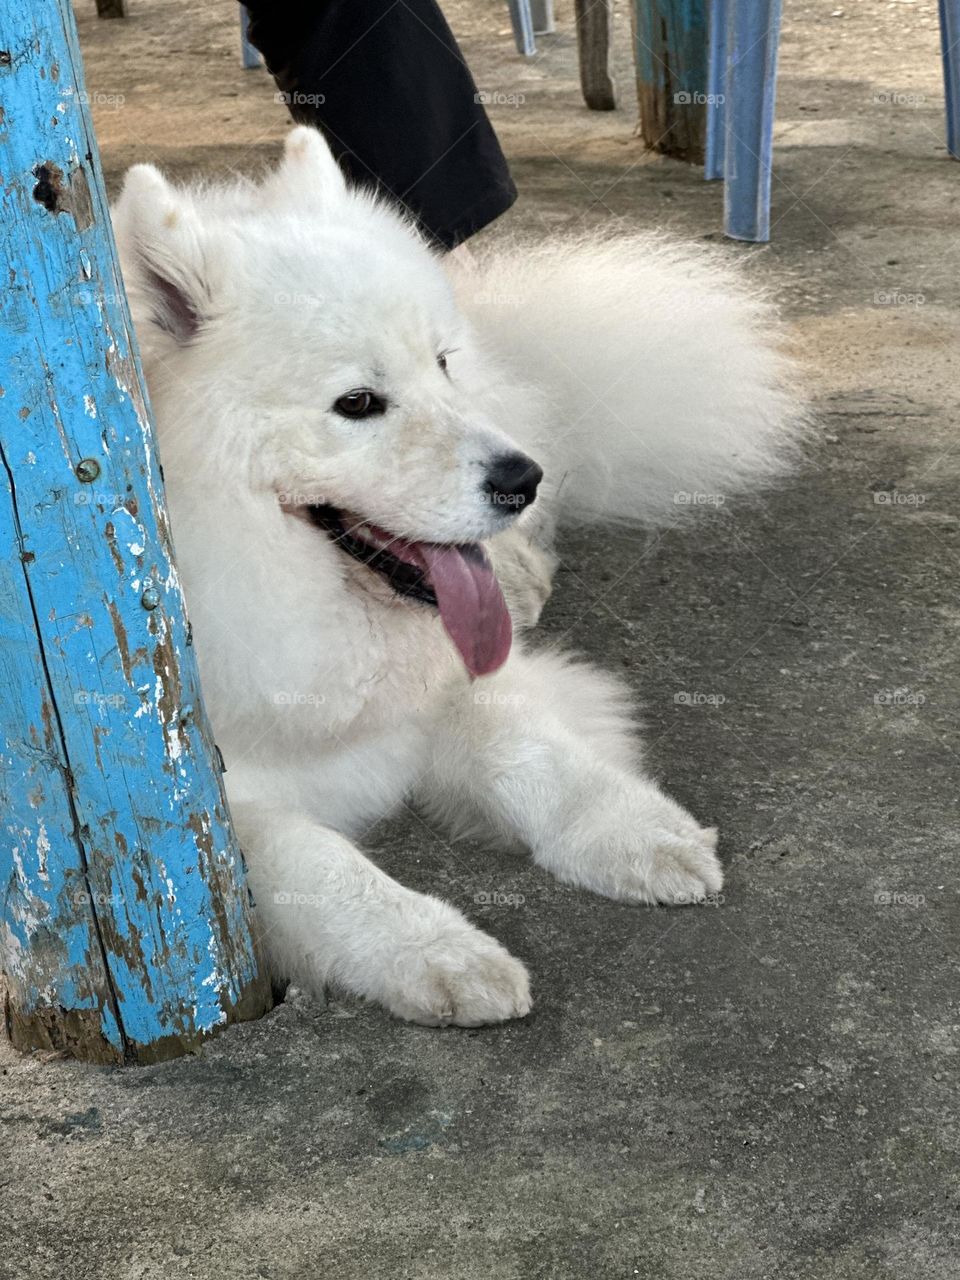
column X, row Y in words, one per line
column 761, row 1090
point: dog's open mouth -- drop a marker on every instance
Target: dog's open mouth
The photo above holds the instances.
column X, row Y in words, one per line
column 457, row 579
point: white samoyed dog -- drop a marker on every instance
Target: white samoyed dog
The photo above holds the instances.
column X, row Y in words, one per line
column 352, row 447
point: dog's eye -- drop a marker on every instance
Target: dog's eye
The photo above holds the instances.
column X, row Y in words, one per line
column 442, row 361
column 360, row 404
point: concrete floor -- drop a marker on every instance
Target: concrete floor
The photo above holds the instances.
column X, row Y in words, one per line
column 766, row 1089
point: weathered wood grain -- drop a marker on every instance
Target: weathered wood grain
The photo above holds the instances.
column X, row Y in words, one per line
column 126, row 926
column 594, row 20
column 670, row 38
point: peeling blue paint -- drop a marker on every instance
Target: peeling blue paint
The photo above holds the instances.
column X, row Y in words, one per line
column 119, row 874
column 677, row 25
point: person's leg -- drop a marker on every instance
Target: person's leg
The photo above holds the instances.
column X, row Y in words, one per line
column 386, row 83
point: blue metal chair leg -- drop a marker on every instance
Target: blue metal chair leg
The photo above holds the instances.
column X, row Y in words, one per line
column 543, row 20
column 249, row 55
column 950, row 45
column 750, row 84
column 716, row 97
column 522, row 20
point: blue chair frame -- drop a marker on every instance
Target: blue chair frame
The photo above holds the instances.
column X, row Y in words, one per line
column 741, row 98
column 742, row 77
column 530, row 18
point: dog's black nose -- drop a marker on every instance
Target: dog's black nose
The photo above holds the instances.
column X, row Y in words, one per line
column 511, row 482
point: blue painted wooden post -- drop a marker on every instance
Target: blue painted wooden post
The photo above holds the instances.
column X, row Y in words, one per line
column 750, row 89
column 950, row 47
column 670, row 38
column 125, row 922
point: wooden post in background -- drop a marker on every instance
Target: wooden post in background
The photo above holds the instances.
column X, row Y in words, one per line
column 670, row 38
column 125, row 922
column 594, row 23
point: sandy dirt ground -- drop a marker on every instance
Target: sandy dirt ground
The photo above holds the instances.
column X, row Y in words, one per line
column 762, row 1091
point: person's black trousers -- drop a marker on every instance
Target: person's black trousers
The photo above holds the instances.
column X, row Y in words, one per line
column 386, row 83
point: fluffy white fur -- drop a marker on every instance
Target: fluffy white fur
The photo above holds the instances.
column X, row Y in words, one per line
column 630, row 369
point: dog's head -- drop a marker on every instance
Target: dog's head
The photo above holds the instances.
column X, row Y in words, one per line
column 310, row 339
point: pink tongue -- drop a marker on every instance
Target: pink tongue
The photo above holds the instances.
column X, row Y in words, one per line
column 472, row 607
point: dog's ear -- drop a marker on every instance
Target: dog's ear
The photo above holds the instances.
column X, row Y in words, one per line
column 308, row 177
column 160, row 237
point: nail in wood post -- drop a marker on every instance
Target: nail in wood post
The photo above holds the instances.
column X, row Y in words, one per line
column 125, row 923
column 670, row 38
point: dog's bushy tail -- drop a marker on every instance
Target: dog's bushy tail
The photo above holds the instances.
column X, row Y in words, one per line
column 664, row 379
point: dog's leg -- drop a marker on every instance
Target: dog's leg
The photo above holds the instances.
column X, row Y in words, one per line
column 543, row 752
column 524, row 569
column 329, row 915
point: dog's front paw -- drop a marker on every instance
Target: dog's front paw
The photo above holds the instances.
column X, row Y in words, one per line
column 649, row 850
column 678, row 869
column 461, row 977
